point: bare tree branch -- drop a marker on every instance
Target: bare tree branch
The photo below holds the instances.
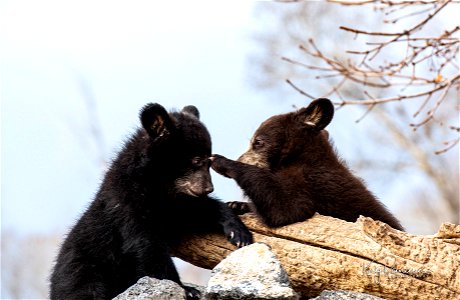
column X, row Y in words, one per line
column 428, row 71
column 405, row 32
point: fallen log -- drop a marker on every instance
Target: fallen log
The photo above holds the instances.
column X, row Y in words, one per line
column 366, row 256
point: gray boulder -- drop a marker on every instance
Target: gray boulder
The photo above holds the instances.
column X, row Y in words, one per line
column 252, row 272
column 148, row 288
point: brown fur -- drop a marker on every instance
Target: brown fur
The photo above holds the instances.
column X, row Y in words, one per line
column 291, row 171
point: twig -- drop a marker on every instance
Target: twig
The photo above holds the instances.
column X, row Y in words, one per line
column 299, row 90
column 441, row 98
column 452, row 145
column 401, row 97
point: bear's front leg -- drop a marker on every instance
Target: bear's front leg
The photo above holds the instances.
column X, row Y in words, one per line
column 235, row 230
column 269, row 193
column 224, row 166
column 240, row 208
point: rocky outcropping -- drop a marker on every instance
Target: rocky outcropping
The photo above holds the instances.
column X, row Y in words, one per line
column 252, row 272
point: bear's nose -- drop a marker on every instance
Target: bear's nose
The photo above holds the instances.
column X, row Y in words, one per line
column 202, row 188
column 208, row 189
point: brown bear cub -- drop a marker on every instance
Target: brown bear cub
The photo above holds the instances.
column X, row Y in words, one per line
column 291, row 171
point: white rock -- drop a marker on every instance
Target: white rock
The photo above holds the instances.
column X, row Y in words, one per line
column 252, row 272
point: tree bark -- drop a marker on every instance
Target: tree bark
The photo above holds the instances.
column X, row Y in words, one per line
column 366, row 256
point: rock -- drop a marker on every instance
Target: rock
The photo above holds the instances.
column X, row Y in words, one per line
column 148, row 288
column 252, row 272
column 345, row 295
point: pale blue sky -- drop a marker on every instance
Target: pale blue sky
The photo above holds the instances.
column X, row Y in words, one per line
column 126, row 55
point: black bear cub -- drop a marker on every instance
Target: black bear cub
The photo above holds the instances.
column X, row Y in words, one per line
column 155, row 193
column 291, row 171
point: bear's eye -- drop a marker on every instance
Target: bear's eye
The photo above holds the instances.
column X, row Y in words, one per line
column 197, row 161
column 257, row 143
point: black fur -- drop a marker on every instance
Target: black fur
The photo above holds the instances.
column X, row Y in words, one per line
column 155, row 193
column 291, row 171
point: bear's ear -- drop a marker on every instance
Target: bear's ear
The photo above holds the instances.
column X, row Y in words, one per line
column 156, row 120
column 191, row 110
column 318, row 114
